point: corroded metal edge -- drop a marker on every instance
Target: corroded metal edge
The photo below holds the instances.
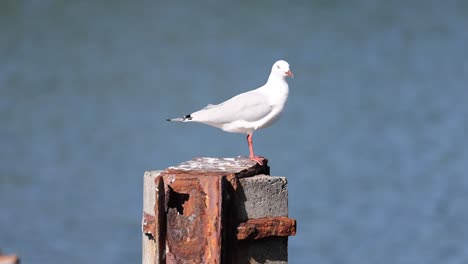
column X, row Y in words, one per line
column 258, row 228
column 160, row 220
column 148, row 224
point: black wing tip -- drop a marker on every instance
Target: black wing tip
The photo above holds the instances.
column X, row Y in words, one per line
column 180, row 119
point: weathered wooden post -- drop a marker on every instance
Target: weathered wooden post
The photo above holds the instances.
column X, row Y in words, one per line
column 211, row 210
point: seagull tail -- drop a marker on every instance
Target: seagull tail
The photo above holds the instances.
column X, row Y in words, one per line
column 180, row 119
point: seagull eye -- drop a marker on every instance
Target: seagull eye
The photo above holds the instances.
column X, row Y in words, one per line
column 277, row 66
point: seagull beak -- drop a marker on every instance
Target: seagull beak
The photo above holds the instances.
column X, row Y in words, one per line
column 289, row 73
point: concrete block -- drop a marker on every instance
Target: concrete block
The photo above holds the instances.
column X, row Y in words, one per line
column 272, row 250
column 262, row 196
column 257, row 197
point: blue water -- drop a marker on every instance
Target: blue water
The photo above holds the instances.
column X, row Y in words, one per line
column 373, row 139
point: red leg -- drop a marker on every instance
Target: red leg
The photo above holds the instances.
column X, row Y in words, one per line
column 252, row 156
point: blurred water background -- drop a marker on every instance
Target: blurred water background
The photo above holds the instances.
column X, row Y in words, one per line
column 373, row 139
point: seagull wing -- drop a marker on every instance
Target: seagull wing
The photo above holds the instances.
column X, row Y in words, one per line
column 250, row 106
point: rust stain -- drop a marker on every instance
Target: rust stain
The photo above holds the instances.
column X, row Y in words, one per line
column 193, row 217
column 148, row 224
column 259, row 228
column 213, row 205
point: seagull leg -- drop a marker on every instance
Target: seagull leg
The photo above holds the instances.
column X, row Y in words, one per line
column 252, row 156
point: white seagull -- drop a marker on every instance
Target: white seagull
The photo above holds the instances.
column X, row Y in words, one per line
column 249, row 111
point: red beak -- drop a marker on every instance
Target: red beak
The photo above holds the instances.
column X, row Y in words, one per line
column 289, row 73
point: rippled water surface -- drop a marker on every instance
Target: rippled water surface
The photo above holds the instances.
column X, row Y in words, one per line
column 373, row 139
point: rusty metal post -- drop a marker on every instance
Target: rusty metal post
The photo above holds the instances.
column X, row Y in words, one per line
column 204, row 211
column 9, row 259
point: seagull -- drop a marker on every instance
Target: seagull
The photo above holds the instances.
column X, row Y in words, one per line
column 249, row 111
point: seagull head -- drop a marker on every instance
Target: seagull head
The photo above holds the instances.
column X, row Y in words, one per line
column 281, row 68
